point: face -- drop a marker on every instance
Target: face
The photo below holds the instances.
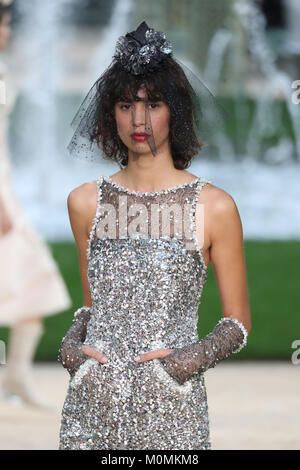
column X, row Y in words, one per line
column 5, row 30
column 149, row 117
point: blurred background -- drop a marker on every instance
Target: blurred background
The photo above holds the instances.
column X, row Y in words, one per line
column 248, row 54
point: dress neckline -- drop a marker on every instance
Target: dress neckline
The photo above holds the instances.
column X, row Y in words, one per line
column 151, row 193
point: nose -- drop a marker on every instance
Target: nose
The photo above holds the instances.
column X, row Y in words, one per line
column 138, row 114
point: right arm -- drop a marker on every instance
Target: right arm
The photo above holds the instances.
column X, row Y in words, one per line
column 81, row 208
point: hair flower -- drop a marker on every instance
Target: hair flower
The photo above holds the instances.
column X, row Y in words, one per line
column 142, row 50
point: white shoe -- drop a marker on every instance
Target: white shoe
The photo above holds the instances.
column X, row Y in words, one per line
column 22, row 392
column 17, row 383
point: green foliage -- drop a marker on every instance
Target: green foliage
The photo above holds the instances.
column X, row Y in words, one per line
column 272, row 273
column 273, row 288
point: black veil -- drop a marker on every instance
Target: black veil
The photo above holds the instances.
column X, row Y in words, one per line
column 140, row 57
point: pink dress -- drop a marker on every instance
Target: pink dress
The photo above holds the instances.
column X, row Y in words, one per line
column 30, row 281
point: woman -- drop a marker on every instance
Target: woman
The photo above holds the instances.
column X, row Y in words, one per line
column 133, row 352
column 31, row 286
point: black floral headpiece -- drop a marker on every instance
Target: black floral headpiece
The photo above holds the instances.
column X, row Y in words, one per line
column 142, row 50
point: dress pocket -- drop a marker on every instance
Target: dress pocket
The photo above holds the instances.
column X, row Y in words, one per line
column 86, row 369
column 89, row 369
column 163, row 375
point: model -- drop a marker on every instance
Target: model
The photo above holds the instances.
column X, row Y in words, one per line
column 135, row 360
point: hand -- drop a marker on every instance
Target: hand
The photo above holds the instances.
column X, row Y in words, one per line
column 94, row 353
column 156, row 354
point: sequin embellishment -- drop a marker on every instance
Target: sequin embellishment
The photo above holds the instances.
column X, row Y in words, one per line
column 146, row 293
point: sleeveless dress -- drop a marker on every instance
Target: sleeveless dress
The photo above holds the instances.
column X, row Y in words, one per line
column 30, row 280
column 146, row 285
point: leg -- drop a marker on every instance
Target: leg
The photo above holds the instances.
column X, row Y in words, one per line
column 17, row 380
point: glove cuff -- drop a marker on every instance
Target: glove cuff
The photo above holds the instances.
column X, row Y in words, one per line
column 82, row 309
column 243, row 329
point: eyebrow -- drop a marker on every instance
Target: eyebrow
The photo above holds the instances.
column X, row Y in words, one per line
column 131, row 100
column 138, row 99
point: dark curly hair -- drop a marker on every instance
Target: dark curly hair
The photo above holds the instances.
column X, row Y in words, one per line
column 170, row 85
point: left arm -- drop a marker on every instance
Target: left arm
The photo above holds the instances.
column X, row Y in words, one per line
column 227, row 256
column 224, row 229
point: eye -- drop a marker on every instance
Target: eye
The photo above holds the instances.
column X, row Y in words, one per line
column 127, row 106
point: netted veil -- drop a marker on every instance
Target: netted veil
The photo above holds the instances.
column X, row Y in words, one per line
column 144, row 58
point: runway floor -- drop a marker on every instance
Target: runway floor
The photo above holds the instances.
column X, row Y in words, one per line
column 252, row 405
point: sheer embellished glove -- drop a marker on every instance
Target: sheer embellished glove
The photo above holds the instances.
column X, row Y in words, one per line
column 70, row 353
column 229, row 336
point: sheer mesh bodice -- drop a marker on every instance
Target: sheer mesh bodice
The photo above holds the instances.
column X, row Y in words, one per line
column 164, row 213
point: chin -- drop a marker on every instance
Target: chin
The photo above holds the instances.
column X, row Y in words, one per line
column 141, row 147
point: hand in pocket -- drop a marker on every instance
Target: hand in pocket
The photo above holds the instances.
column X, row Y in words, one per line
column 89, row 351
column 156, row 354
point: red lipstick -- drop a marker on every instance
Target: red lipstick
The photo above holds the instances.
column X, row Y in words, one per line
column 140, row 136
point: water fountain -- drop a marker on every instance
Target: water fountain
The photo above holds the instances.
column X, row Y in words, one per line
column 251, row 172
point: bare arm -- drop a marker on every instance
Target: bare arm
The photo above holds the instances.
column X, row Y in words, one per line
column 81, row 207
column 227, row 256
column 223, row 236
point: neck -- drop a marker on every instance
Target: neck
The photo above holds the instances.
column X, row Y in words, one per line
column 146, row 172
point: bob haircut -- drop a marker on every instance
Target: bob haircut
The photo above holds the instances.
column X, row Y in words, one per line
column 168, row 84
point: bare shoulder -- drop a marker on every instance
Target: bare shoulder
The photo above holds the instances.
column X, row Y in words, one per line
column 217, row 200
column 82, row 206
column 83, row 198
column 220, row 211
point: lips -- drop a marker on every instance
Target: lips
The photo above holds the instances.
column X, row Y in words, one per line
column 140, row 136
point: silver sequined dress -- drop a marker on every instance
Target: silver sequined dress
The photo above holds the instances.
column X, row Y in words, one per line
column 146, row 289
